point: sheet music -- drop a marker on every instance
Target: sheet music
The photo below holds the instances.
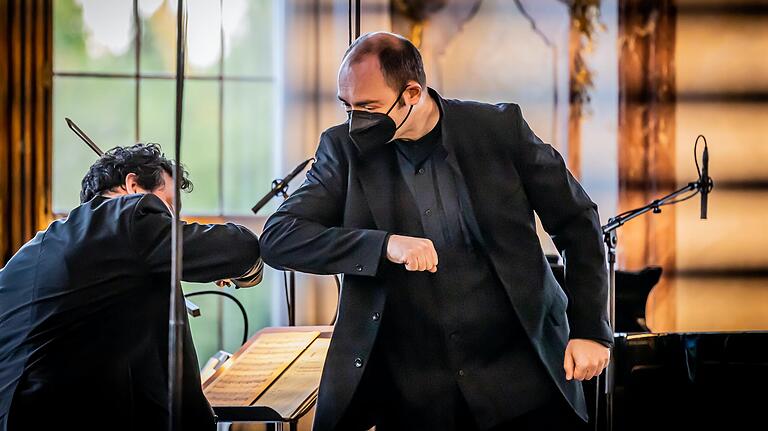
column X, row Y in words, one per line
column 257, row 367
column 299, row 382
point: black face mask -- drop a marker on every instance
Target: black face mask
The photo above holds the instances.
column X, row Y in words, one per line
column 371, row 129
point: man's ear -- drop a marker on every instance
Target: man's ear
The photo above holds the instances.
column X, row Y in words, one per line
column 131, row 184
column 412, row 93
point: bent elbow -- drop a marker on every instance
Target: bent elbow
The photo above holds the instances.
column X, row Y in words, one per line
column 270, row 240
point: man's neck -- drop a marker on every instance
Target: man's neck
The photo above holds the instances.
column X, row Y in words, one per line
column 423, row 119
column 111, row 194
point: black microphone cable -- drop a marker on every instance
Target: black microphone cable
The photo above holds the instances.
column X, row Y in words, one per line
column 705, row 183
column 233, row 299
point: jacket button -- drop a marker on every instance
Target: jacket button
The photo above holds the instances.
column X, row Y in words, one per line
column 358, row 362
column 376, row 316
column 359, row 268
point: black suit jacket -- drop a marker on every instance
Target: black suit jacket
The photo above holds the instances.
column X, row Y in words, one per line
column 84, row 317
column 337, row 222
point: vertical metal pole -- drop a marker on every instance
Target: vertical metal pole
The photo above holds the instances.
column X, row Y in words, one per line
column 610, row 241
column 137, row 71
column 349, row 17
column 220, row 299
column 292, row 298
column 357, row 19
column 176, row 328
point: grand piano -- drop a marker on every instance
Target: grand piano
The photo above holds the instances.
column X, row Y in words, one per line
column 687, row 381
column 677, row 381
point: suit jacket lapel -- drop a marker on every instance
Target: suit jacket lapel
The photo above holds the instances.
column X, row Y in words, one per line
column 378, row 170
column 451, row 135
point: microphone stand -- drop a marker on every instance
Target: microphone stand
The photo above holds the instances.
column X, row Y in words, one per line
column 611, row 240
column 280, row 188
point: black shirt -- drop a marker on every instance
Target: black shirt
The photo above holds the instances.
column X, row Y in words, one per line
column 454, row 333
column 430, row 180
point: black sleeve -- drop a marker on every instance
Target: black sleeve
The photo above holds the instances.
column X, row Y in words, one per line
column 305, row 233
column 570, row 217
column 211, row 251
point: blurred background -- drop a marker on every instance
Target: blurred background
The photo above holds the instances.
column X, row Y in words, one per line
column 621, row 88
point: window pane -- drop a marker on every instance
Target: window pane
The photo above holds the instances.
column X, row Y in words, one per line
column 200, row 135
column 248, row 29
column 248, row 142
column 158, row 42
column 156, row 113
column 257, row 305
column 205, row 329
column 85, row 100
column 93, row 36
column 158, row 37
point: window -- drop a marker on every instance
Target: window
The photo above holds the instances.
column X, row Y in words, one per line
column 118, row 57
column 114, row 75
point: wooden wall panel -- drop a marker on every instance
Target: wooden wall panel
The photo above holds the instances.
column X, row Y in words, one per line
column 25, row 121
column 646, row 142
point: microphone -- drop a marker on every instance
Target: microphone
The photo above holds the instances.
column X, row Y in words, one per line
column 280, row 187
column 705, row 182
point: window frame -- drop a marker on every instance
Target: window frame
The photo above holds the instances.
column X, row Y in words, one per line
column 138, row 76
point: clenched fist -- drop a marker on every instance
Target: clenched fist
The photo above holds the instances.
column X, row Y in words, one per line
column 585, row 359
column 417, row 254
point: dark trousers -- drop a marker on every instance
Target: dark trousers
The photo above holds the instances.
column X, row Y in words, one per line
column 375, row 403
column 556, row 415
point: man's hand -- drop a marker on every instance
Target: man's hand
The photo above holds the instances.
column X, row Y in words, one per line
column 418, row 254
column 585, row 359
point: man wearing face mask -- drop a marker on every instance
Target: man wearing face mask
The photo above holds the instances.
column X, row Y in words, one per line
column 450, row 317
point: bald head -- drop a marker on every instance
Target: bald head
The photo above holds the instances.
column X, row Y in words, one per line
column 398, row 59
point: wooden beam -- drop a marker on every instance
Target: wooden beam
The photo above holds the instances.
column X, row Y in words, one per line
column 25, row 121
column 647, row 143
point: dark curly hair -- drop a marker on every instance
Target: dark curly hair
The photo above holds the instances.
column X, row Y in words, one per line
column 145, row 160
